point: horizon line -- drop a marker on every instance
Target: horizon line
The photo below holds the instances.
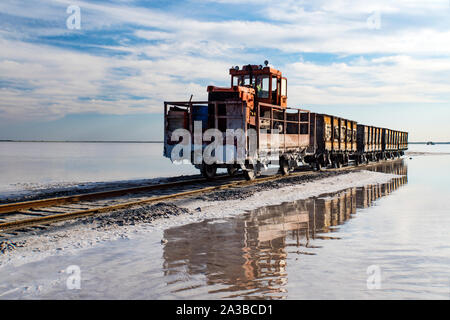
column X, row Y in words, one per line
column 154, row 141
column 86, row 141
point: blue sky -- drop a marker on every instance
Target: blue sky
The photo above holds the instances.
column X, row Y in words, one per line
column 384, row 63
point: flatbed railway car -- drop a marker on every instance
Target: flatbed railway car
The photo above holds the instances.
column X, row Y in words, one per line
column 248, row 127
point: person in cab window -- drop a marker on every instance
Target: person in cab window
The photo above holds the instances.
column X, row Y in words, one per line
column 258, row 87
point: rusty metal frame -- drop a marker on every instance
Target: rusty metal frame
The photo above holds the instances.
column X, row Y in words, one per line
column 299, row 122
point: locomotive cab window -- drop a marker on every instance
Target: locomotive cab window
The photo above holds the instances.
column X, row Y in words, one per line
column 283, row 87
column 262, row 87
column 245, row 81
column 275, row 90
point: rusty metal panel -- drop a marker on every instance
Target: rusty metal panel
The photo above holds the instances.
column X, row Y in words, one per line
column 354, row 136
column 377, row 141
column 234, row 114
column 291, row 140
column 336, row 133
column 380, row 139
column 360, row 137
column 348, row 137
column 265, row 141
column 294, row 140
column 328, row 132
column 342, row 134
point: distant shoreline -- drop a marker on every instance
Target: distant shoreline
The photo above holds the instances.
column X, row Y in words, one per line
column 427, row 142
column 69, row 141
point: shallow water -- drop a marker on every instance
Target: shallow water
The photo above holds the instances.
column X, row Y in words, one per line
column 441, row 148
column 319, row 248
column 35, row 164
column 32, row 165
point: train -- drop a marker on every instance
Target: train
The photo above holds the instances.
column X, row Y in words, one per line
column 248, row 127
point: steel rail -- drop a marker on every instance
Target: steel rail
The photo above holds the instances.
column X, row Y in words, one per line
column 33, row 204
column 22, row 223
column 70, row 215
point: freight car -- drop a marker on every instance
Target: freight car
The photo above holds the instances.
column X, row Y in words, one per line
column 375, row 144
column 248, row 127
column 333, row 140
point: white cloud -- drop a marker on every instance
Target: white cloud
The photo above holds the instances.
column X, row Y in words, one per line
column 412, row 66
column 56, row 79
column 393, row 79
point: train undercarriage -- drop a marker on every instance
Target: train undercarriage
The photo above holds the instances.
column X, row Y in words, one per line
column 297, row 161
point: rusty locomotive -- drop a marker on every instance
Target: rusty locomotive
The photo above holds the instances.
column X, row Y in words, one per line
column 255, row 104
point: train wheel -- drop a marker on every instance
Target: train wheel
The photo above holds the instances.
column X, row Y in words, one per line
column 249, row 175
column 209, row 171
column 336, row 164
column 318, row 166
column 231, row 171
column 284, row 167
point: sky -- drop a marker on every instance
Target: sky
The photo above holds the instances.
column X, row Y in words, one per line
column 104, row 73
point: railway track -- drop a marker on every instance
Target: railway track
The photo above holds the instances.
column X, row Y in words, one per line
column 12, row 207
column 29, row 215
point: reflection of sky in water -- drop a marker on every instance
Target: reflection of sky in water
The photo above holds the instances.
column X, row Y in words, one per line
column 317, row 248
column 44, row 163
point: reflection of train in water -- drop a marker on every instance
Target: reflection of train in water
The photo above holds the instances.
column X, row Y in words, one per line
column 252, row 118
column 248, row 255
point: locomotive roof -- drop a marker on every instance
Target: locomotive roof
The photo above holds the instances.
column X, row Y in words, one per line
column 254, row 69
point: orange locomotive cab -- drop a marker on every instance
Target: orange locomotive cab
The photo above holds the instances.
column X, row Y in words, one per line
column 268, row 84
column 252, row 85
